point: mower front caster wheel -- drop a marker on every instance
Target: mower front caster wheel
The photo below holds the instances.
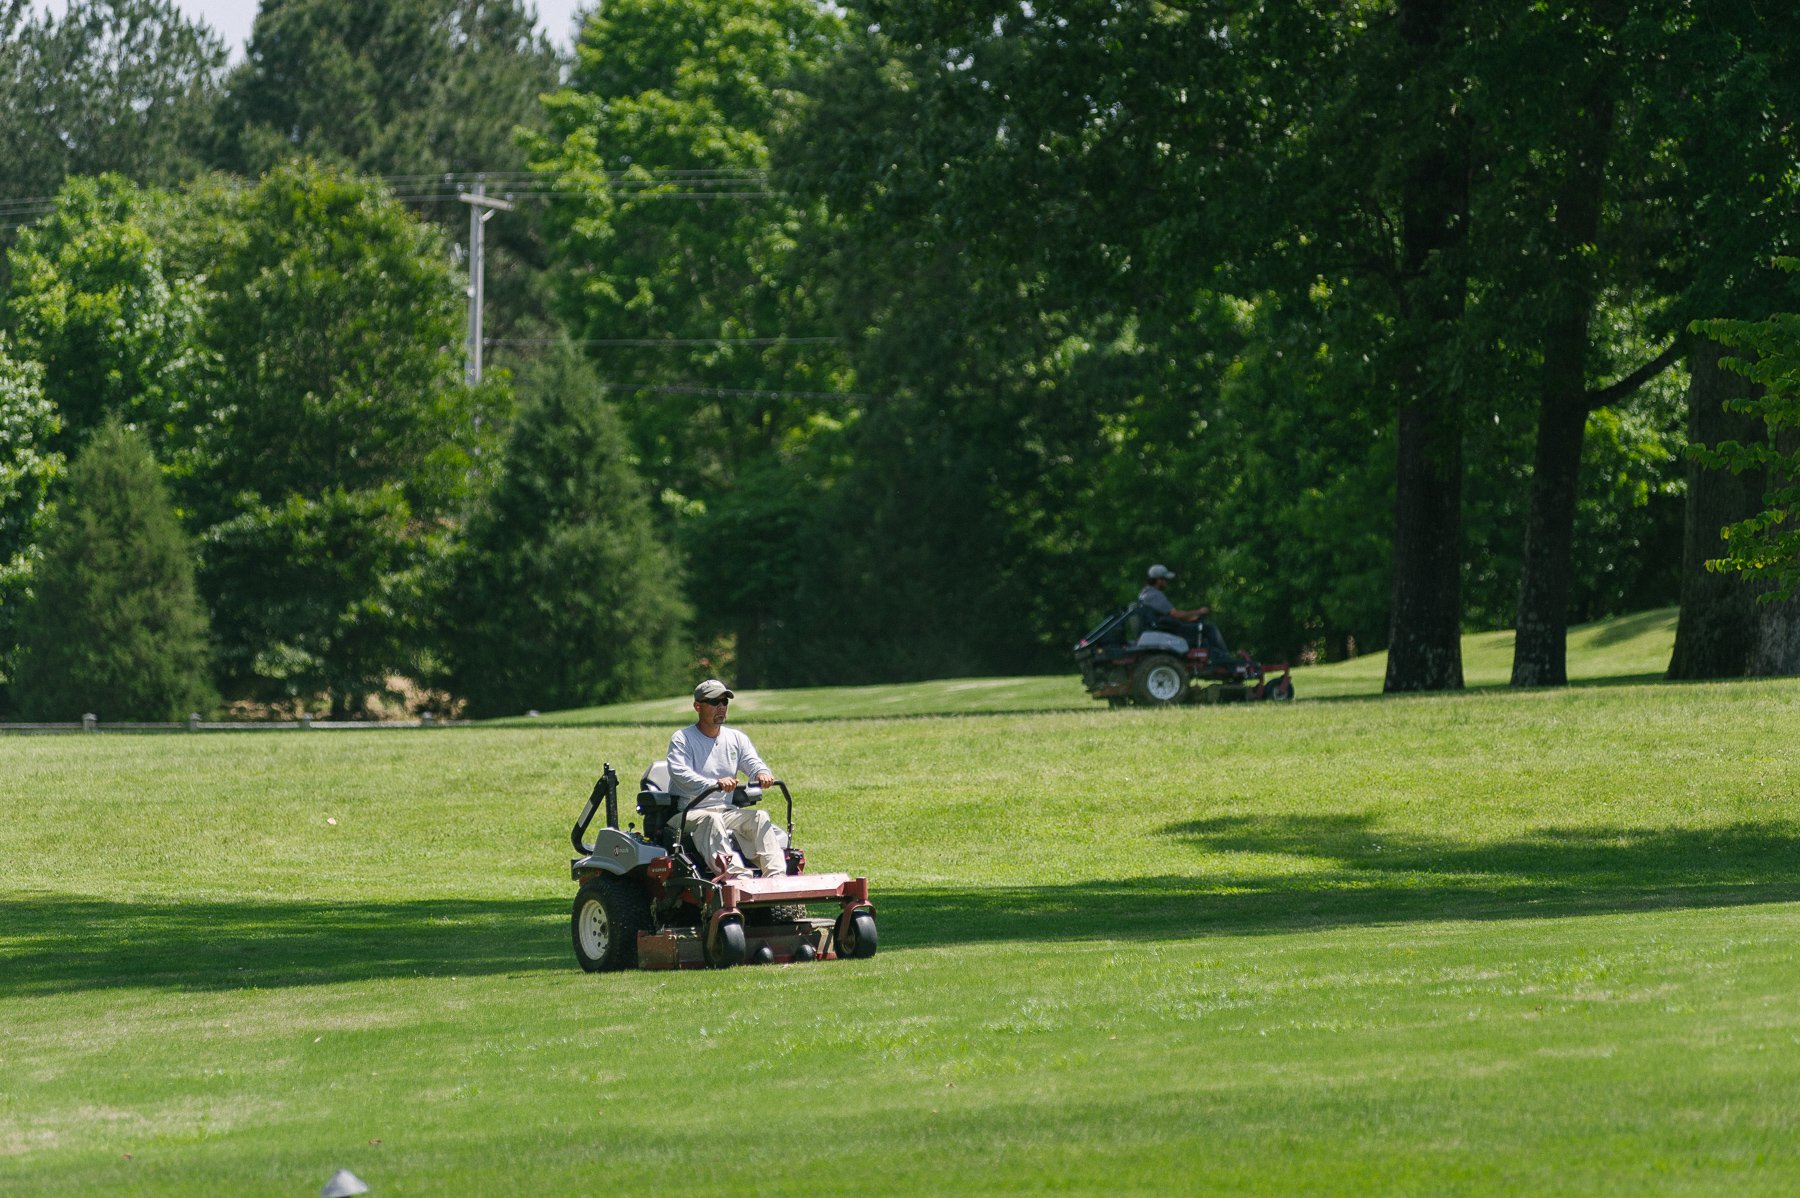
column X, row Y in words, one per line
column 608, row 914
column 726, row 946
column 856, row 936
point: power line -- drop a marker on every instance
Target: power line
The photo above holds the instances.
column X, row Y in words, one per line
column 666, row 342
column 732, row 392
column 462, row 178
column 435, row 198
column 692, row 184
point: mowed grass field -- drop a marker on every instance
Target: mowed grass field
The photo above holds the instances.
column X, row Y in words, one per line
column 1630, row 649
column 1491, row 943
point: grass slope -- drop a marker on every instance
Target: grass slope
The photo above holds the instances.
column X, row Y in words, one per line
column 1630, row 648
column 1495, row 943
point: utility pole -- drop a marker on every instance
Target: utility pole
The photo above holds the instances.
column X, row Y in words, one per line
column 481, row 206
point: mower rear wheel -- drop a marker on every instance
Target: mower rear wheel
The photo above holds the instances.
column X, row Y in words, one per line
column 608, row 914
column 856, row 936
column 726, row 946
column 1158, row 681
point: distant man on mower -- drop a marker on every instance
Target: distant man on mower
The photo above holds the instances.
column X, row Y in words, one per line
column 1193, row 620
column 705, row 759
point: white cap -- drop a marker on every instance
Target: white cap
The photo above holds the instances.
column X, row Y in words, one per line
column 711, row 690
column 1161, row 571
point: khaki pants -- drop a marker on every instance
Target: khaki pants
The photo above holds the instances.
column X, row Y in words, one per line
column 714, row 829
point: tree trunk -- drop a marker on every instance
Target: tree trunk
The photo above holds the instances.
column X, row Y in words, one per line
column 1425, row 632
column 1540, row 649
column 1714, row 635
column 1775, row 641
column 1425, row 635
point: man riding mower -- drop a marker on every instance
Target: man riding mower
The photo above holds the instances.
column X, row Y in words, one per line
column 1137, row 655
column 649, row 899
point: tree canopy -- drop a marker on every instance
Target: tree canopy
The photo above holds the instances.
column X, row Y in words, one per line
column 104, row 86
column 888, row 340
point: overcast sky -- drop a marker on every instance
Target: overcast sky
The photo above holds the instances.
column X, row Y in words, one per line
column 232, row 18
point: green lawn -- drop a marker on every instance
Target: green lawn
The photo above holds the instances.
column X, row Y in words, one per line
column 1493, row 943
column 1629, row 649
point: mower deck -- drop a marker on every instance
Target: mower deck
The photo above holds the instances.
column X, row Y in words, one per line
column 681, row 948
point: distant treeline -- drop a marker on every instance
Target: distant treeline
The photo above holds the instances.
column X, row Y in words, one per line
column 839, row 344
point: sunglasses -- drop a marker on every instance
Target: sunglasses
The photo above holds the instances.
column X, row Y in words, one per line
column 716, row 702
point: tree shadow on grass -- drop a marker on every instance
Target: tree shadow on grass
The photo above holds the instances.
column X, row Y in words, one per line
column 1626, row 628
column 58, row 943
column 1344, row 871
column 1351, row 873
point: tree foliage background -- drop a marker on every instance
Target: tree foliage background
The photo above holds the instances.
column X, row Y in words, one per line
column 565, row 595
column 894, row 339
column 115, row 624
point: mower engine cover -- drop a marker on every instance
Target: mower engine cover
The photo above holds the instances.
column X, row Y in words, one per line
column 617, row 852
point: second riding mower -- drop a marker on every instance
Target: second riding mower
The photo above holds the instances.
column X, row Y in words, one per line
column 648, row 899
column 1135, row 656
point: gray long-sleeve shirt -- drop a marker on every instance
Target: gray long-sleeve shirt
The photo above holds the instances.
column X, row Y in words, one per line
column 697, row 761
column 1153, row 598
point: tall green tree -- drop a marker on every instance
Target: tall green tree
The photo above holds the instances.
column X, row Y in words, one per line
column 413, row 88
column 115, row 625
column 29, row 467
column 337, row 319
column 1043, row 161
column 116, row 329
column 1732, row 143
column 564, row 595
column 126, row 86
column 675, row 260
column 344, row 436
column 421, row 92
column 685, row 274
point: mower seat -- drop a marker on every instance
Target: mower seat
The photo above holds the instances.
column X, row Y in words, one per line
column 655, row 802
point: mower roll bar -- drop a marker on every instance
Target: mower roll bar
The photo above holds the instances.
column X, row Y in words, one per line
column 607, row 789
column 1105, row 626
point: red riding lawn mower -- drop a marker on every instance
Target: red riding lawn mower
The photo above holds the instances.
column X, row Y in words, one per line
column 1135, row 656
column 647, row 899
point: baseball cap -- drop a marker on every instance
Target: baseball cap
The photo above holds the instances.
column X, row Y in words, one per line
column 1161, row 571
column 712, row 689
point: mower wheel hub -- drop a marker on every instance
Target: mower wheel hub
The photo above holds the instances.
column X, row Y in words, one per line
column 1165, row 683
column 594, row 929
